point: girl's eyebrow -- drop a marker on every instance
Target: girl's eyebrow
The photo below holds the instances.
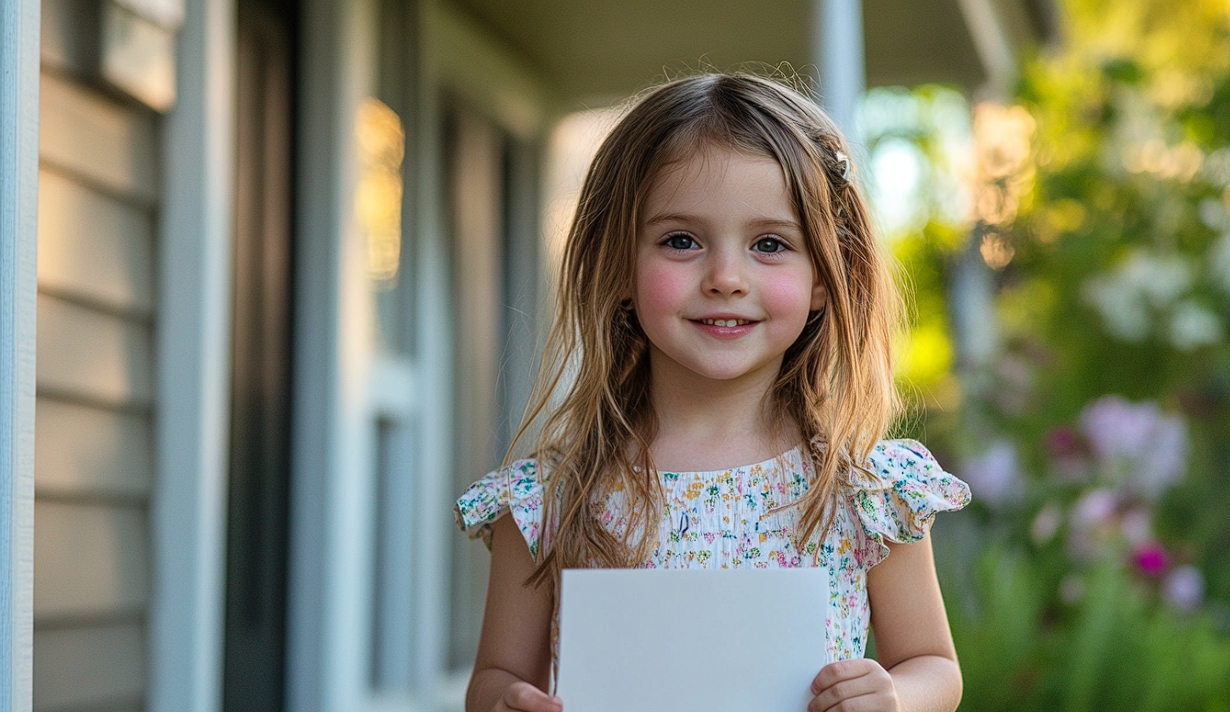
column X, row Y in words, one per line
column 777, row 222
column 686, row 217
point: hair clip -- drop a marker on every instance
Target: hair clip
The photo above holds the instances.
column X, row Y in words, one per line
column 847, row 168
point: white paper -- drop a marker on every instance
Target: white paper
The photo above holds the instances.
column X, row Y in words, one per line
column 703, row 640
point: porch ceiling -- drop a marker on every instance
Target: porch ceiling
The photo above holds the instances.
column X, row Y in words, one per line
column 588, row 50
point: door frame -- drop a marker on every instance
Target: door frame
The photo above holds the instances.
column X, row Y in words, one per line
column 344, row 387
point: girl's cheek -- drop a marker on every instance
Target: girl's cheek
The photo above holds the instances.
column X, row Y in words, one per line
column 787, row 299
column 658, row 287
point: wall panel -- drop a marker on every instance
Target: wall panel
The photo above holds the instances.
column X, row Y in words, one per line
column 95, row 667
column 93, row 246
column 93, row 355
column 95, row 452
column 92, row 560
column 98, row 138
column 94, row 470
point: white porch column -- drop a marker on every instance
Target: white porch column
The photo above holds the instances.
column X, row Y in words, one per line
column 837, row 50
column 193, row 418
column 19, row 60
column 328, row 644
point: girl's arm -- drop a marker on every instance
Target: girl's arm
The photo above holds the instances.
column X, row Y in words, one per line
column 513, row 666
column 916, row 665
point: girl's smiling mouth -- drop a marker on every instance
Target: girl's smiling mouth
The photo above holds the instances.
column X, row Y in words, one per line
column 725, row 327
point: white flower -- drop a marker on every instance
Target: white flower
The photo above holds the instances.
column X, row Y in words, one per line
column 1213, row 214
column 1137, row 525
column 1193, row 326
column 1091, row 523
column 1046, row 524
column 1143, row 282
column 1094, row 508
column 1218, row 260
column 1160, row 278
column 1119, row 305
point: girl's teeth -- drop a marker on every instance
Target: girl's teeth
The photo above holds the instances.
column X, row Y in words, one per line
column 725, row 322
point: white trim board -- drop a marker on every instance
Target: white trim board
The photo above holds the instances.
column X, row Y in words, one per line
column 19, row 60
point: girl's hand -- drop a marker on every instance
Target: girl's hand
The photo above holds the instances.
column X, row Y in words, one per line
column 525, row 697
column 854, row 685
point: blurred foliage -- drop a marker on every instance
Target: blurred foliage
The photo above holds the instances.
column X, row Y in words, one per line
column 928, row 128
column 1114, row 650
column 1121, row 277
column 1093, row 570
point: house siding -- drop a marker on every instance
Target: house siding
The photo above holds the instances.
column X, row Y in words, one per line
column 95, row 385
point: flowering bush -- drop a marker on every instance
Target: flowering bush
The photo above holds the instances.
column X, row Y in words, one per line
column 1093, row 571
column 1102, row 481
column 1079, row 603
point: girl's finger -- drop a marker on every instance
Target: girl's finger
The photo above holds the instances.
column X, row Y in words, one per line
column 834, row 694
column 527, row 698
column 862, row 703
column 833, row 673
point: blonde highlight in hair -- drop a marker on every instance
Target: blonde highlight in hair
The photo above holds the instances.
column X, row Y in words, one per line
column 592, row 390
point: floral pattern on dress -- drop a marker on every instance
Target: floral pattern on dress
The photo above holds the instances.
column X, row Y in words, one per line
column 516, row 489
column 738, row 518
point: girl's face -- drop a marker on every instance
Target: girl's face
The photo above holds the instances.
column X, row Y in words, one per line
column 724, row 284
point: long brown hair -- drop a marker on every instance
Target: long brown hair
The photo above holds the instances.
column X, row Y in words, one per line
column 592, row 392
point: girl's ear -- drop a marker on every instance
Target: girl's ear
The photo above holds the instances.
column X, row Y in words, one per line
column 819, row 296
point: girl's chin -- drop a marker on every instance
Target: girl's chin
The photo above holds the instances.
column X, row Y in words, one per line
column 719, row 375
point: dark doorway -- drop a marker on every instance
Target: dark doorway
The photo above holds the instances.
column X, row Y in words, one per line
column 255, row 648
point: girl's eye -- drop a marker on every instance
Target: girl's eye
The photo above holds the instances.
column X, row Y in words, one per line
column 768, row 245
column 680, row 242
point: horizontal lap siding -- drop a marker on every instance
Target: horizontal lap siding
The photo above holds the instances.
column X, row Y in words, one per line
column 107, row 144
column 87, row 354
column 94, row 560
column 94, row 668
column 94, row 432
column 88, row 451
column 93, row 246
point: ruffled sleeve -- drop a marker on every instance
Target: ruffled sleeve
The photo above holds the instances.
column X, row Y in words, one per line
column 908, row 489
column 516, row 489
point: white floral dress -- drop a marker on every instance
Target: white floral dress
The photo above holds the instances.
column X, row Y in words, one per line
column 726, row 519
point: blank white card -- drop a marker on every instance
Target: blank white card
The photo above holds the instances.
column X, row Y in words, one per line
column 703, row 640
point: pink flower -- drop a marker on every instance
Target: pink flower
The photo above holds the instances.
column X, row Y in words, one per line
column 1152, row 559
column 1136, row 444
column 1092, row 523
column 1137, row 525
column 1064, row 441
column 1069, row 452
column 1094, row 508
column 1184, row 588
column 994, row 476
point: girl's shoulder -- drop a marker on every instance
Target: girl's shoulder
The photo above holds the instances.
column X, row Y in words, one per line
column 516, row 490
column 899, row 492
column 903, row 460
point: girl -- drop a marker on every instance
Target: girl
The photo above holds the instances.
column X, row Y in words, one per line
column 723, row 302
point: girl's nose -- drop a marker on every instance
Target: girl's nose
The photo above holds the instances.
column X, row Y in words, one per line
column 725, row 275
